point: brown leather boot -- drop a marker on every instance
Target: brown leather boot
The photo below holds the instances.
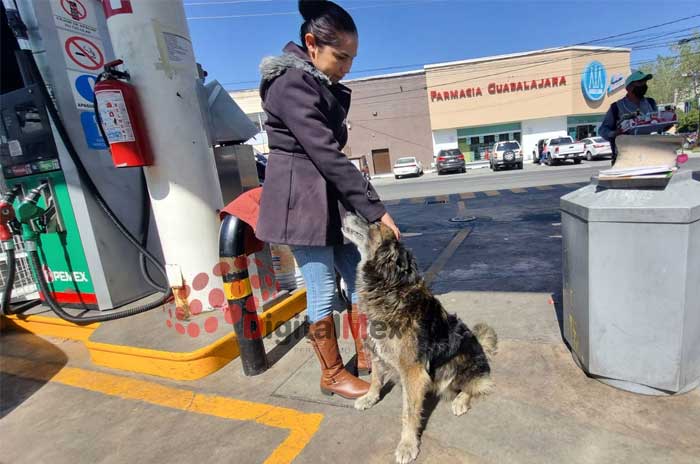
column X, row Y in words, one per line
column 334, row 377
column 358, row 327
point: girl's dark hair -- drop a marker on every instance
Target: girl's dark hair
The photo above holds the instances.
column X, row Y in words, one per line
column 324, row 19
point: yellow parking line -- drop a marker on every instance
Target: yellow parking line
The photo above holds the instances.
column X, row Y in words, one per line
column 446, row 254
column 445, row 198
column 461, row 208
column 391, row 202
column 467, row 195
column 417, row 200
column 518, row 190
column 302, row 426
column 492, row 193
column 544, row 187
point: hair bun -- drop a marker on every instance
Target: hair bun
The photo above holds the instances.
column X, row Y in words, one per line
column 311, row 9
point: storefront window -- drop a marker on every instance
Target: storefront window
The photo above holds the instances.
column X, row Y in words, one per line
column 476, row 142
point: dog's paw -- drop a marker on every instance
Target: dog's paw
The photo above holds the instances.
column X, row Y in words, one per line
column 406, row 452
column 460, row 405
column 366, row 401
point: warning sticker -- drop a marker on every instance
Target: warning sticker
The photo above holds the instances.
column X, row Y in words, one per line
column 179, row 48
column 82, row 85
column 82, row 53
column 15, row 148
column 114, row 116
column 75, row 16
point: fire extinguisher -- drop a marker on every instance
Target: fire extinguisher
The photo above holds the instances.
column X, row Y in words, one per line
column 119, row 116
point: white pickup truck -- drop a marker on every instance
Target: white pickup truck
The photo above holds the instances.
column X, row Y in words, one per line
column 562, row 148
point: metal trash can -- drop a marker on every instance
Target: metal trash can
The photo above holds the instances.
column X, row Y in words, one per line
column 631, row 291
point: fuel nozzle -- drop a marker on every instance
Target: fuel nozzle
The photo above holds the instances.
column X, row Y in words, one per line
column 30, row 213
column 9, row 225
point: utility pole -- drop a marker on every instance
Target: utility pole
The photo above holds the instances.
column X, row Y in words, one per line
column 695, row 75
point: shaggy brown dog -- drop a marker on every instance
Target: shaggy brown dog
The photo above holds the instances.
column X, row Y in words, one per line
column 411, row 334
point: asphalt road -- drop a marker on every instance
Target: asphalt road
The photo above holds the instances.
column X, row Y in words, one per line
column 477, row 180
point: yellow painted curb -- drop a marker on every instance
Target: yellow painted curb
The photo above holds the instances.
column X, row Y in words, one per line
column 50, row 326
column 195, row 364
column 301, row 426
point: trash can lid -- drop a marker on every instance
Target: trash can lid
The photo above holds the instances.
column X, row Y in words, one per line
column 677, row 203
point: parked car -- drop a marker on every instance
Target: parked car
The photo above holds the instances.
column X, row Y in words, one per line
column 450, row 160
column 596, row 147
column 407, row 166
column 506, row 154
column 562, row 148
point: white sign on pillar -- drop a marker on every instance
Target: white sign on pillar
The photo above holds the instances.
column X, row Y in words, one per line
column 82, row 53
column 75, row 16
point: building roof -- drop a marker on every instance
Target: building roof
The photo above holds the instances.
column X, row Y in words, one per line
column 470, row 61
column 521, row 54
column 386, row 76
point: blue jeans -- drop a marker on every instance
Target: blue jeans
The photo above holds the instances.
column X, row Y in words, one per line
column 318, row 265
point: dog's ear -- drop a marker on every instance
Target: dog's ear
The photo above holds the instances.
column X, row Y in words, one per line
column 387, row 233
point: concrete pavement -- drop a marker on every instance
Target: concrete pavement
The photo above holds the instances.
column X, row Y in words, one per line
column 57, row 407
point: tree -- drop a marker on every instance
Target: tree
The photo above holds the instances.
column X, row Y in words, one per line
column 668, row 71
column 667, row 78
column 687, row 122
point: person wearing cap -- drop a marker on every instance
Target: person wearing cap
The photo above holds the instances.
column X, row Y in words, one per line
column 634, row 102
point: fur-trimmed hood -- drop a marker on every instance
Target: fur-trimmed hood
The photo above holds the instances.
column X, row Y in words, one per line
column 294, row 56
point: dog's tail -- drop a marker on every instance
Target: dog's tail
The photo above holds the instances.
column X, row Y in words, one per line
column 487, row 338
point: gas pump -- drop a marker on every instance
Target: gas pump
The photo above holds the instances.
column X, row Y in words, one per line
column 76, row 208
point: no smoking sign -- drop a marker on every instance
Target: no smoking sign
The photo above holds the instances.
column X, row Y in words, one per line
column 82, row 53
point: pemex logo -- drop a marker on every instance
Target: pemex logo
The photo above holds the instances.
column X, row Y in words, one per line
column 594, row 81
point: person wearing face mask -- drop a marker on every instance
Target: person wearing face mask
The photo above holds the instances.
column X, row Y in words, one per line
column 310, row 183
column 634, row 102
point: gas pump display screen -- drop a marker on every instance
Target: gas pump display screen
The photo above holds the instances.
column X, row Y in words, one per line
column 26, row 142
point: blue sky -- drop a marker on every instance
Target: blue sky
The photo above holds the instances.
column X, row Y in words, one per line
column 231, row 36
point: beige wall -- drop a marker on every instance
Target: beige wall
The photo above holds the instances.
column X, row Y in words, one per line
column 517, row 73
column 391, row 113
column 386, row 113
column 248, row 100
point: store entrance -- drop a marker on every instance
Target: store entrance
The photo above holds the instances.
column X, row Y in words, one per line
column 583, row 131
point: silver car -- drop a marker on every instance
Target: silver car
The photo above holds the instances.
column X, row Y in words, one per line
column 407, row 166
column 596, row 147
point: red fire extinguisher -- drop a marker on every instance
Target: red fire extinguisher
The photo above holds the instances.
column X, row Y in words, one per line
column 119, row 118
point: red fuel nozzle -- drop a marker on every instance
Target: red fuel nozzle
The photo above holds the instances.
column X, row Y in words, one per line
column 8, row 219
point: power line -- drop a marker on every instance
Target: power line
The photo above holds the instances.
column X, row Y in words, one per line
column 479, row 108
column 506, row 67
column 229, row 2
column 290, row 13
column 495, row 64
column 529, row 66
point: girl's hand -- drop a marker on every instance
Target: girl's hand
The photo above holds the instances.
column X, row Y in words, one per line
column 389, row 222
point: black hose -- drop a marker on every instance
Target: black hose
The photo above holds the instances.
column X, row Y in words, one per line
column 90, row 185
column 60, row 312
column 7, row 291
column 146, row 217
column 145, row 227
